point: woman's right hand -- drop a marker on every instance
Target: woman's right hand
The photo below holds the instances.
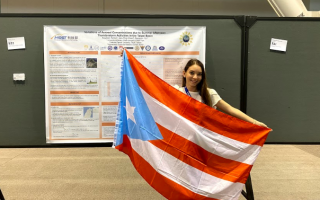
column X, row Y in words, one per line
column 121, row 53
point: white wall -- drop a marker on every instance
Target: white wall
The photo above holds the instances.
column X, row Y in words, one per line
column 171, row 7
column 52, row 6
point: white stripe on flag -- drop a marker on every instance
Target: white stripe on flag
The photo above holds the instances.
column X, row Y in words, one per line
column 191, row 178
column 212, row 142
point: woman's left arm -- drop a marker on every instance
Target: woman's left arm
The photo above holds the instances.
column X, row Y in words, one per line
column 228, row 109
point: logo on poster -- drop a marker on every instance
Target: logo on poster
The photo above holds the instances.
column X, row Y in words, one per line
column 137, row 48
column 109, row 48
column 142, row 47
column 62, row 37
column 161, row 48
column 186, row 38
column 154, row 48
column 148, row 48
column 59, row 37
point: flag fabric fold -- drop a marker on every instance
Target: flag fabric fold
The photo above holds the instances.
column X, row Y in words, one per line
column 183, row 148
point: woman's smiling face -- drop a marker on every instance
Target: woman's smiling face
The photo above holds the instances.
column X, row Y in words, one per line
column 193, row 77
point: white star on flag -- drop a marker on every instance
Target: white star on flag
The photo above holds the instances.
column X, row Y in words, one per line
column 130, row 111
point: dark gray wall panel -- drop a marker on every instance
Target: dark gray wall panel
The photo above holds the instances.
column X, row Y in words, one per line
column 283, row 88
column 22, row 107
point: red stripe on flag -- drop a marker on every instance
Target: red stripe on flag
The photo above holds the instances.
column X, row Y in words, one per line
column 168, row 188
column 199, row 158
column 195, row 111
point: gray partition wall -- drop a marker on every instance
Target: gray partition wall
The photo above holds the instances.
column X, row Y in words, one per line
column 22, row 116
column 284, row 87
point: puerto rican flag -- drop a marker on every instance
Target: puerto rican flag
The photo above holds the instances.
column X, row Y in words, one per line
column 183, row 148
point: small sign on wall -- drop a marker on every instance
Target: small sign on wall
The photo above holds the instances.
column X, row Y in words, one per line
column 16, row 43
column 19, row 77
column 278, row 44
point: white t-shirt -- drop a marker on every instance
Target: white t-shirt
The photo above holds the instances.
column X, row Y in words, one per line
column 215, row 98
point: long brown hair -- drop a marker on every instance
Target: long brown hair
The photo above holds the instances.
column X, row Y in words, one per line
column 202, row 86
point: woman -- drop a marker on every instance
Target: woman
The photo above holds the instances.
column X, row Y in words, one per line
column 194, row 84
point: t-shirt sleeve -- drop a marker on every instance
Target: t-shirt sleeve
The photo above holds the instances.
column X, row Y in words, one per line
column 215, row 98
column 181, row 89
column 176, row 86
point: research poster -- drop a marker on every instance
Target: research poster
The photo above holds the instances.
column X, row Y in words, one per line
column 82, row 73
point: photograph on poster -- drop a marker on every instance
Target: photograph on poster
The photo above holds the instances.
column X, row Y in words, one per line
column 91, row 62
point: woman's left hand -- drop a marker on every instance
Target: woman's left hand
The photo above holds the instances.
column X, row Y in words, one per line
column 260, row 124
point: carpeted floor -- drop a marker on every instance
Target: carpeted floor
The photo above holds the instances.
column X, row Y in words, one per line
column 281, row 172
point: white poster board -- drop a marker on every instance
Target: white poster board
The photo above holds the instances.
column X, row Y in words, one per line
column 82, row 73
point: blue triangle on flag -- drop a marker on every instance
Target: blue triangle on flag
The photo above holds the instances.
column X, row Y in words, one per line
column 134, row 117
